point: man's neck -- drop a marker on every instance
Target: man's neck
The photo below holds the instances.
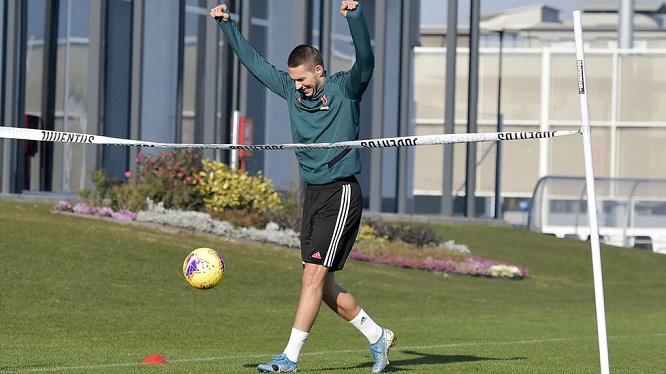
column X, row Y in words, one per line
column 320, row 82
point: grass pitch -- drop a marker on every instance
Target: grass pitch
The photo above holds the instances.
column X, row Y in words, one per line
column 84, row 295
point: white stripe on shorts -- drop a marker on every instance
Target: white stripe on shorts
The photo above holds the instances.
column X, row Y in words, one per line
column 345, row 200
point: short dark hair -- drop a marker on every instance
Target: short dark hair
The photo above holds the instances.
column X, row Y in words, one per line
column 305, row 54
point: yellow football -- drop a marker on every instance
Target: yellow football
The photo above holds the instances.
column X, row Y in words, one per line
column 203, row 268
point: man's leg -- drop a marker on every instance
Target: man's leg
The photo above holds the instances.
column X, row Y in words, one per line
column 308, row 308
column 312, row 288
column 312, row 284
column 343, row 303
column 339, row 300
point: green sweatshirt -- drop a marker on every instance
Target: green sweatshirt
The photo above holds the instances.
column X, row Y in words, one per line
column 330, row 115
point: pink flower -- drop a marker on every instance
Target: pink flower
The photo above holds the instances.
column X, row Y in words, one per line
column 128, row 175
column 104, row 211
column 81, row 208
column 124, row 215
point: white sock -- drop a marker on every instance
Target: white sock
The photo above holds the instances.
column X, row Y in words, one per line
column 367, row 326
column 296, row 343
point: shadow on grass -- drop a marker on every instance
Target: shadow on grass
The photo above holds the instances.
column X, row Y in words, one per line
column 419, row 359
column 430, row 359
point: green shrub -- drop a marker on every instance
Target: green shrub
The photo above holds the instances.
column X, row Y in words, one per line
column 241, row 218
column 167, row 177
column 222, row 189
column 417, row 234
column 100, row 196
column 284, row 219
column 129, row 196
column 366, row 232
column 289, row 215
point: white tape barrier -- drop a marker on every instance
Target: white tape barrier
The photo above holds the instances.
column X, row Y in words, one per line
column 405, row 141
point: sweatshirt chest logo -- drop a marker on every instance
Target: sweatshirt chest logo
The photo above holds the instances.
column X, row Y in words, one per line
column 324, row 102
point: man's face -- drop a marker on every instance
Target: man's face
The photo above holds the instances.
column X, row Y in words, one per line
column 307, row 80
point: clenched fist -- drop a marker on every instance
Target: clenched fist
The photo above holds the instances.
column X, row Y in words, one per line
column 220, row 11
column 347, row 5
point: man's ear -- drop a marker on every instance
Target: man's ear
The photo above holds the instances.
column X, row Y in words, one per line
column 319, row 70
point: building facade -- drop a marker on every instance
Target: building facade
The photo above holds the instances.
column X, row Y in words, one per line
column 626, row 92
column 160, row 70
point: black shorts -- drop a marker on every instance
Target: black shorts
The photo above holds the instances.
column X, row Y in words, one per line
column 331, row 218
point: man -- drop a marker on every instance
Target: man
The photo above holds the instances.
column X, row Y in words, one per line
column 322, row 108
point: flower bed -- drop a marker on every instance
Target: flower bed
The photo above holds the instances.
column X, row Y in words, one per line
column 447, row 257
column 469, row 266
column 81, row 208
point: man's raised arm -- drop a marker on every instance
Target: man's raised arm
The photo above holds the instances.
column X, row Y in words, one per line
column 276, row 80
column 361, row 71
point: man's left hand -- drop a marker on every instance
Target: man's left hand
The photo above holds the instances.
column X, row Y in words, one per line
column 348, row 5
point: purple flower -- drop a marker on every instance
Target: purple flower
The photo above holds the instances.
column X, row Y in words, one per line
column 64, row 206
column 104, row 211
column 447, row 266
column 524, row 271
column 124, row 215
column 469, row 266
column 81, row 208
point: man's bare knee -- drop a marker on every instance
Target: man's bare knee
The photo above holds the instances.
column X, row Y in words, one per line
column 313, row 276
